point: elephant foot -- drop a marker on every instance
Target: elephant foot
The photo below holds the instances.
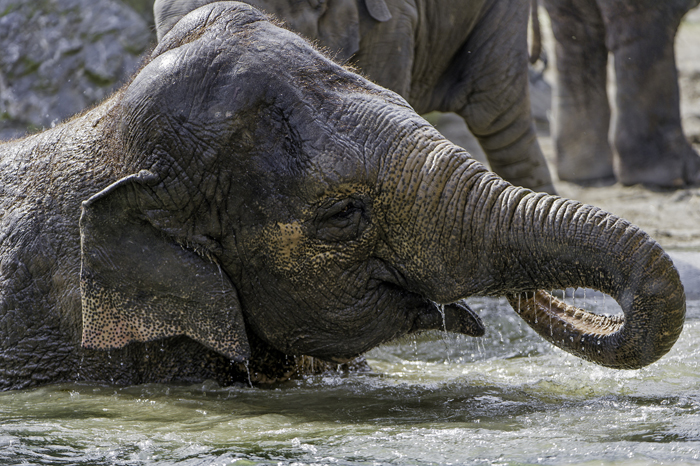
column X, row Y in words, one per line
column 672, row 166
column 584, row 161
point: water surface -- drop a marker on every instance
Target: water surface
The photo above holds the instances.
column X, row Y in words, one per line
column 508, row 398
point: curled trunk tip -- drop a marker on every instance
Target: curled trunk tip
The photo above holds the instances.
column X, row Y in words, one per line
column 610, row 341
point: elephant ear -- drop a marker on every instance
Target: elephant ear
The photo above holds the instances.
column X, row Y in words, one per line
column 137, row 284
column 339, row 29
column 378, row 10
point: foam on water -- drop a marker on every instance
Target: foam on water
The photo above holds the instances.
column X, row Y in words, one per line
column 510, row 398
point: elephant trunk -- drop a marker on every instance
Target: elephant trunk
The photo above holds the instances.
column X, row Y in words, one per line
column 557, row 243
column 469, row 232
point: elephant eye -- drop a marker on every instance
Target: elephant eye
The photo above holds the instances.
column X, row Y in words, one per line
column 342, row 220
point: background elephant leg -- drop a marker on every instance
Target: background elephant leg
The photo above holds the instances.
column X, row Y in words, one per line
column 495, row 97
column 454, row 128
column 581, row 109
column 649, row 138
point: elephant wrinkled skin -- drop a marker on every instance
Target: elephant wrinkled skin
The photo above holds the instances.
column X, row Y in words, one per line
column 464, row 56
column 245, row 201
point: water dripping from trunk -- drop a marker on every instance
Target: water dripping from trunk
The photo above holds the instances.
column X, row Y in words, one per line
column 481, row 349
column 247, row 369
column 109, row 356
column 80, row 367
column 551, row 330
column 441, row 308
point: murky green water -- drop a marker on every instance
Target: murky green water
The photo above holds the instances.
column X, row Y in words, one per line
column 508, row 399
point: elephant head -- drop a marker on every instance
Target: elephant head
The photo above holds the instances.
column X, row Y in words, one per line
column 268, row 190
column 334, row 23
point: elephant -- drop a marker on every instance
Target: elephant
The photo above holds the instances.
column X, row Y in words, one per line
column 469, row 57
column 649, row 145
column 245, row 202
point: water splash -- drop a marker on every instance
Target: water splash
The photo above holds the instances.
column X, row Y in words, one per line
column 496, row 411
column 481, row 348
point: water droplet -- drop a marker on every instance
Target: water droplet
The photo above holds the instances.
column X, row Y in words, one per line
column 441, row 308
column 247, row 368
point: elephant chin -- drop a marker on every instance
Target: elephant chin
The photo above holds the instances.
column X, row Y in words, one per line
column 453, row 318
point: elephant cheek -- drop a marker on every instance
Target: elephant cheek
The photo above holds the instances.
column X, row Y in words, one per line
column 340, row 333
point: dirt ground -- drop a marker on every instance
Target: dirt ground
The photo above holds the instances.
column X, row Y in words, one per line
column 672, row 217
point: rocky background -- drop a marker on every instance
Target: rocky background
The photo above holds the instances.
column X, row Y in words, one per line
column 61, row 56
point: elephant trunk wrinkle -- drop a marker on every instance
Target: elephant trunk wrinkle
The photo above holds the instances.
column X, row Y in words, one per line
column 557, row 243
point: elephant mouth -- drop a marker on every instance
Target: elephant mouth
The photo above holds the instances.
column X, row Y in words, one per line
column 426, row 314
column 455, row 318
column 398, row 313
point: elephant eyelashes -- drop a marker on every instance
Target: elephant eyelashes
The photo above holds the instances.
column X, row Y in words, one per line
column 342, row 220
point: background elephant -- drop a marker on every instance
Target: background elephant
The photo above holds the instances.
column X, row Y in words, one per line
column 650, row 146
column 245, row 199
column 467, row 57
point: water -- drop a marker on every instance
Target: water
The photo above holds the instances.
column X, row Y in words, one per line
column 433, row 400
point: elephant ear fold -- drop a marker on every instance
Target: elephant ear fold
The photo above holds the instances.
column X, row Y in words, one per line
column 339, row 29
column 378, row 10
column 137, row 284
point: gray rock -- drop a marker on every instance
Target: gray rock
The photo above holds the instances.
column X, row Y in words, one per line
column 62, row 56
